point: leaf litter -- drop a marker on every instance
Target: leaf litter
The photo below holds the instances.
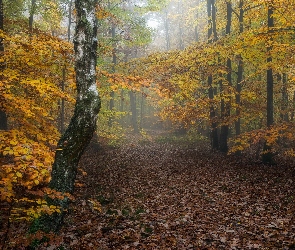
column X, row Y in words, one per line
column 167, row 196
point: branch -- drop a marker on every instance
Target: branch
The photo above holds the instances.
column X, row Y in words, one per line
column 255, row 6
column 235, row 12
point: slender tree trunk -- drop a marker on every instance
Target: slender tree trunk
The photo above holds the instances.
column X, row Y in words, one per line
column 133, row 111
column 293, row 108
column 180, row 23
column 285, row 101
column 196, row 30
column 31, row 17
column 62, row 102
column 267, row 156
column 114, row 61
column 122, row 100
column 70, row 20
column 141, row 110
column 225, row 105
column 83, row 123
column 212, row 31
column 167, row 31
column 239, row 76
column 3, row 116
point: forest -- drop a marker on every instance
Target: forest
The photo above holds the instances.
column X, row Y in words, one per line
column 147, row 124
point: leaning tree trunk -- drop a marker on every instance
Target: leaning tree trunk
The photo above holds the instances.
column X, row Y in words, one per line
column 83, row 123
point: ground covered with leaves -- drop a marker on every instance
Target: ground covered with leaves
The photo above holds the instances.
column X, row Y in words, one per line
column 155, row 195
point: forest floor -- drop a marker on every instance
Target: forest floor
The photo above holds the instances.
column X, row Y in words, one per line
column 163, row 195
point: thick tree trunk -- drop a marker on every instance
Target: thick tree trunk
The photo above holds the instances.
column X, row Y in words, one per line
column 3, row 116
column 62, row 110
column 83, row 123
column 267, row 156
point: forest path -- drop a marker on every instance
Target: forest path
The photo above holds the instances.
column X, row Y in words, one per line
column 164, row 196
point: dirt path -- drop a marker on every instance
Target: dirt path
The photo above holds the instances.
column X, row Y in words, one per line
column 161, row 196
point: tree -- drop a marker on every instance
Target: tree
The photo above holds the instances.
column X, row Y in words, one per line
column 83, row 123
column 267, row 156
column 240, row 71
column 225, row 105
column 3, row 116
column 212, row 37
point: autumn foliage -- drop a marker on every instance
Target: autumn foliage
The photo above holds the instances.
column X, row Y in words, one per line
column 30, row 87
column 173, row 89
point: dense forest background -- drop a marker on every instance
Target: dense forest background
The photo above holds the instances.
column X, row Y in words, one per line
column 218, row 73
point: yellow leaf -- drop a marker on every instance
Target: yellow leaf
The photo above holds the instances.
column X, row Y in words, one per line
column 13, row 142
column 18, row 174
column 36, row 182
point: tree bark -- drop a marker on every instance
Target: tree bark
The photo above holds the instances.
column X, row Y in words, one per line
column 180, row 23
column 141, row 110
column 114, row 61
column 133, row 111
column 267, row 156
column 239, row 76
column 285, row 99
column 293, row 108
column 32, row 12
column 167, row 37
column 225, row 105
column 62, row 111
column 212, row 31
column 83, row 123
column 3, row 116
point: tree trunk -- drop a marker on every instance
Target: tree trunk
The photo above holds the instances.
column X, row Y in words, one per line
column 83, row 123
column 167, row 30
column 114, row 61
column 3, row 116
column 180, row 23
column 267, row 156
column 212, row 31
column 133, row 111
column 239, row 76
column 225, row 105
column 32, row 12
column 62, row 111
column 293, row 108
column 285, row 101
column 142, row 110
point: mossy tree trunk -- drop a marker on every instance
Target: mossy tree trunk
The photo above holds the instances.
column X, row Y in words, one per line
column 83, row 123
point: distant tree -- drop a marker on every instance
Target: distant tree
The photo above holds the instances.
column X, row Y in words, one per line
column 225, row 105
column 212, row 37
column 267, row 156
